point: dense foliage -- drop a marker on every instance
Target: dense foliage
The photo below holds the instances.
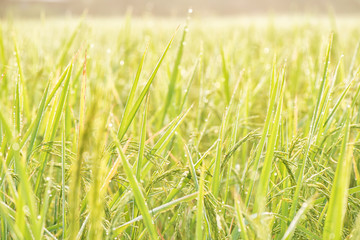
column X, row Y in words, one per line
column 243, row 128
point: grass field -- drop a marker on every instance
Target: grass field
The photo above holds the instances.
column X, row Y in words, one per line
column 148, row 128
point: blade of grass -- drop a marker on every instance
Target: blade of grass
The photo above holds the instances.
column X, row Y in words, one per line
column 240, row 218
column 216, row 179
column 308, row 204
column 51, row 131
column 189, row 86
column 37, row 122
column 17, row 109
column 27, row 193
column 46, row 201
column 59, row 83
column 273, row 89
column 24, row 95
column 342, row 96
column 165, row 138
column 124, row 126
column 131, row 96
column 225, row 75
column 174, row 75
column 192, row 168
column 139, row 197
column 260, row 200
column 314, row 117
column 63, row 197
column 7, row 215
column 142, row 141
column 339, row 192
column 5, row 127
column 200, row 206
column 169, row 133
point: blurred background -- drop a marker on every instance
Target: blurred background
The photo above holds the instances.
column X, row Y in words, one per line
column 176, row 8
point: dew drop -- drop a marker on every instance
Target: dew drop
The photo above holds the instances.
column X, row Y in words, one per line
column 16, row 147
column 25, row 208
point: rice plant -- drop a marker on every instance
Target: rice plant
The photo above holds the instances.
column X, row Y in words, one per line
column 139, row 128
